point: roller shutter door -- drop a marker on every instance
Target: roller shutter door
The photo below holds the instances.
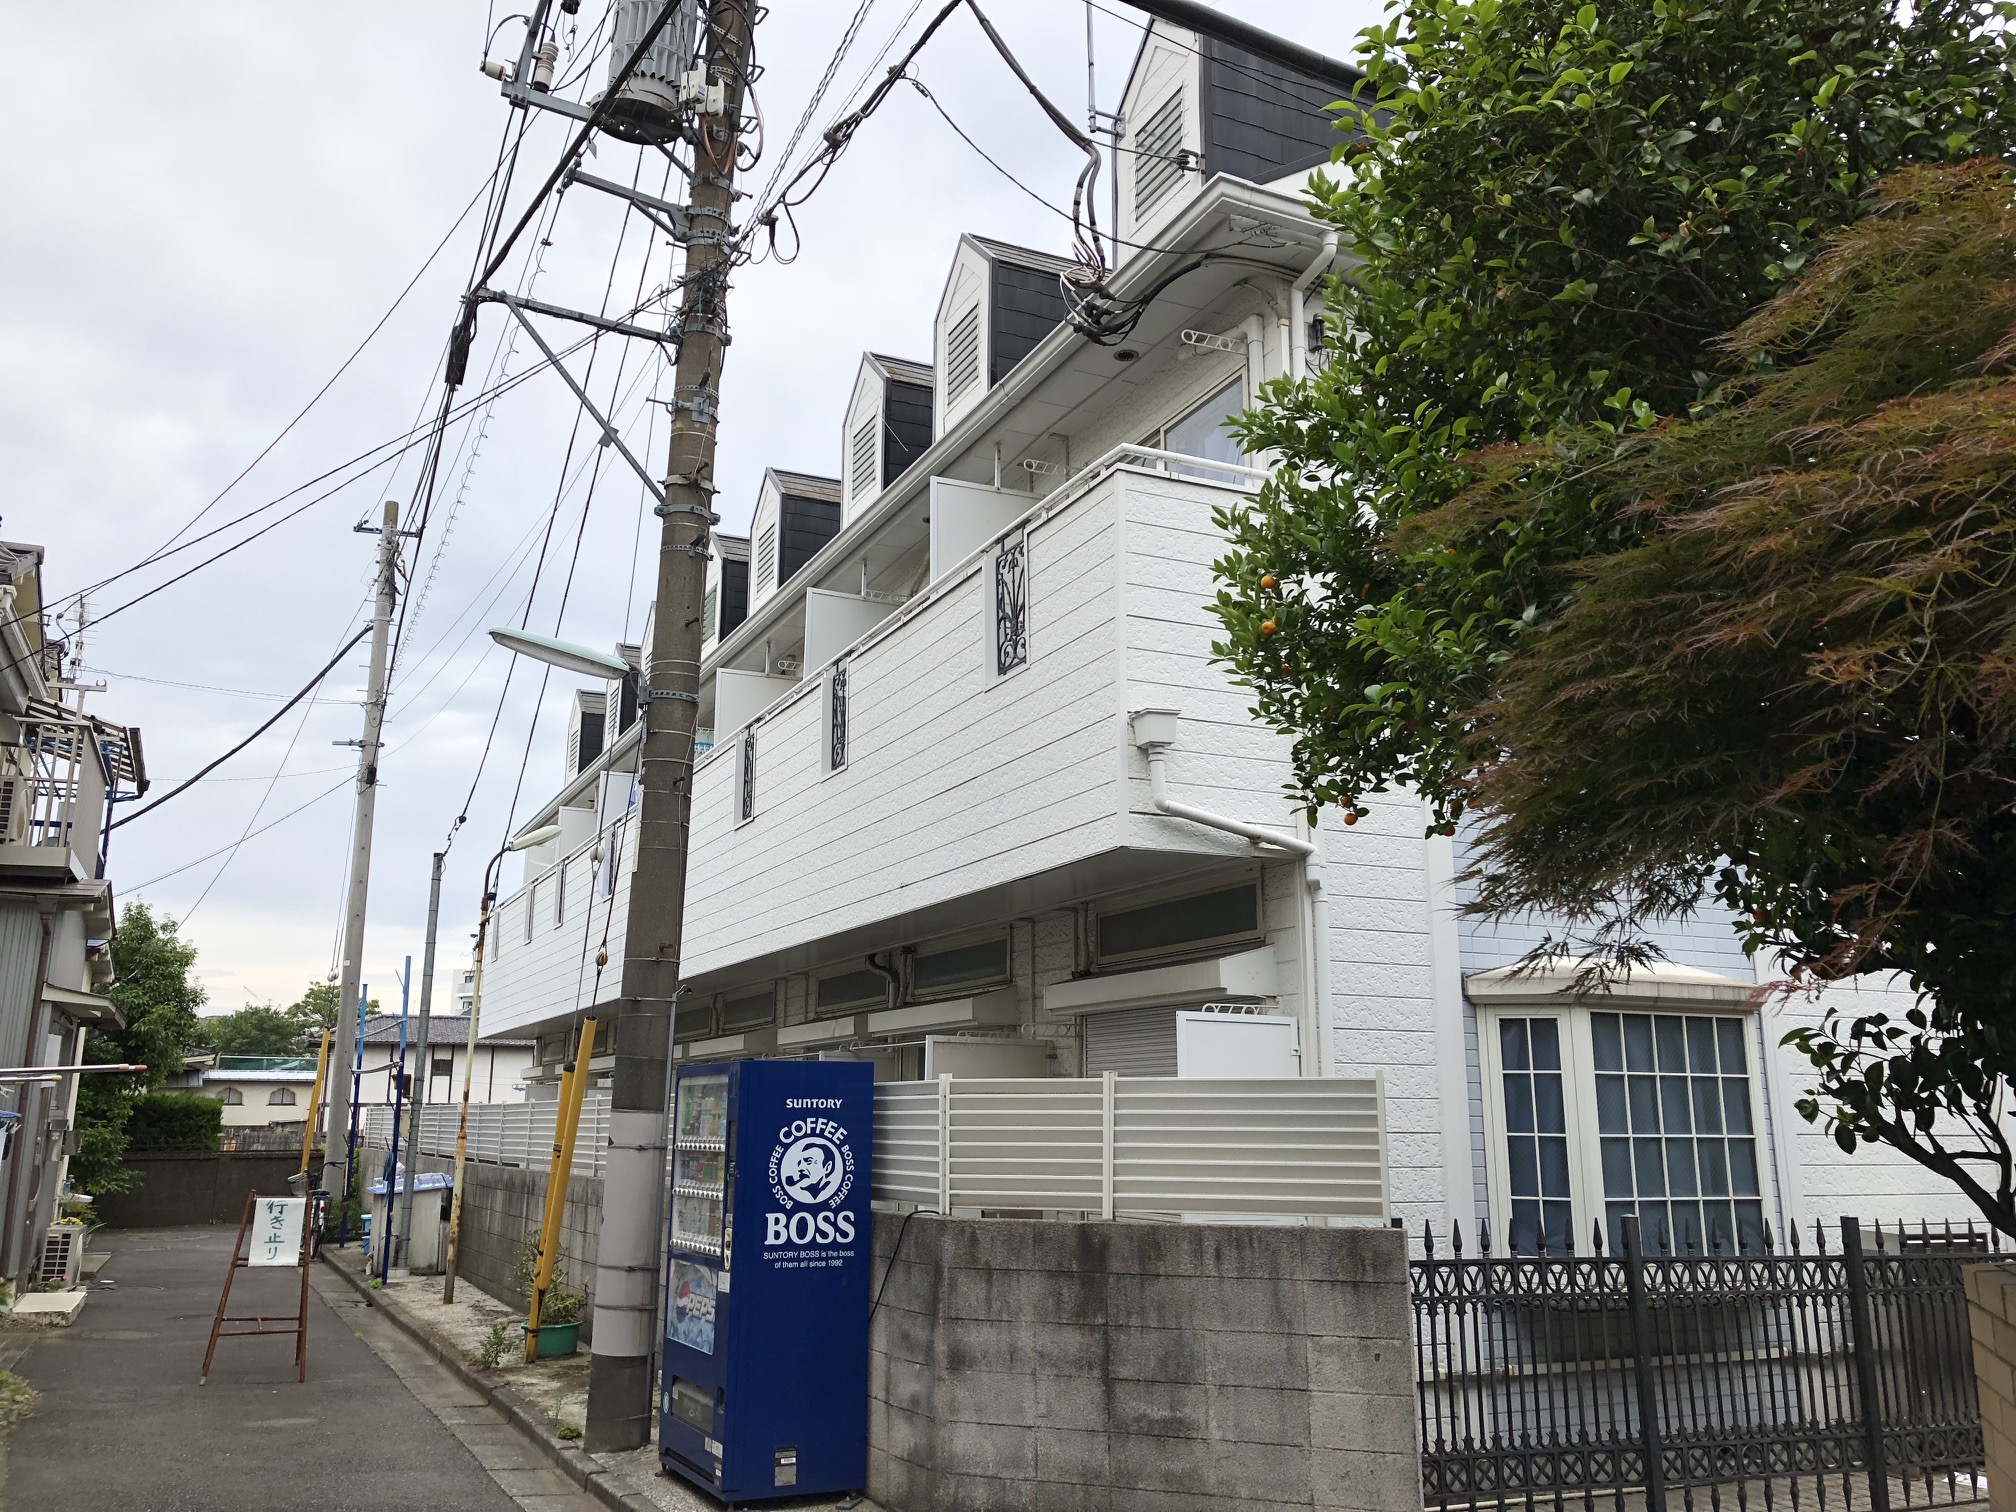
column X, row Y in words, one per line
column 1131, row 1042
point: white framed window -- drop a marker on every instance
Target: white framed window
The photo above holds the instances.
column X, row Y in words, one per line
column 1171, row 926
column 280, row 1097
column 1595, row 1114
column 862, row 473
column 962, row 354
column 1201, row 430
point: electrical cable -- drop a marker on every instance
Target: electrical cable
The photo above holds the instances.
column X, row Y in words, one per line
column 307, row 688
column 130, row 889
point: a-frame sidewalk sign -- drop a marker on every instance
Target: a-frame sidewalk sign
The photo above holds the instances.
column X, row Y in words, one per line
column 273, row 1233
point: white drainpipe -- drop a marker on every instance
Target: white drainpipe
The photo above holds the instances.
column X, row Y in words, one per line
column 1255, row 331
column 1298, row 318
column 1154, row 731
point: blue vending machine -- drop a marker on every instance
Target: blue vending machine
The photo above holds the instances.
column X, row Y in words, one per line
column 765, row 1381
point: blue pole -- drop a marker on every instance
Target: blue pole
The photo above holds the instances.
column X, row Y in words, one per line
column 356, row 1091
column 398, row 1102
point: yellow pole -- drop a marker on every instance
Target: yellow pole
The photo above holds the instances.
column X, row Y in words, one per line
column 315, row 1105
column 573, row 1092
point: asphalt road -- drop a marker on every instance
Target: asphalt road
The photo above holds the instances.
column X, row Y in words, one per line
column 123, row 1424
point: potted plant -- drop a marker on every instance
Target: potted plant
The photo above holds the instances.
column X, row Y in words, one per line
column 560, row 1316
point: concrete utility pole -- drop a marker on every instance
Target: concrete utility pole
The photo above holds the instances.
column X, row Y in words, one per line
column 335, row 1164
column 620, row 1396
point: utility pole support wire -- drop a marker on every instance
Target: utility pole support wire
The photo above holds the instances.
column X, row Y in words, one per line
column 336, row 1172
column 620, row 1395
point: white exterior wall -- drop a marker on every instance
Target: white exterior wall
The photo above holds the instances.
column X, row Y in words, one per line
column 948, row 788
column 552, row 976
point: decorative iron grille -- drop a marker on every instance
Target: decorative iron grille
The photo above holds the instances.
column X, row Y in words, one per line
column 1756, row 1376
column 747, row 806
column 1011, row 604
column 836, row 719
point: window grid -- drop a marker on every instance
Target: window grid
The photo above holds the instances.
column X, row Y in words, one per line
column 1159, row 161
column 1678, row 1143
column 1536, row 1135
column 962, row 354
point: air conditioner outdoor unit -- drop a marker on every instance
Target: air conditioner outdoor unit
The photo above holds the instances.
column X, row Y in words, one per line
column 17, row 801
column 62, row 1253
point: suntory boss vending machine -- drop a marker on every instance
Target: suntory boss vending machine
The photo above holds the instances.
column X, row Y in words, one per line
column 765, row 1381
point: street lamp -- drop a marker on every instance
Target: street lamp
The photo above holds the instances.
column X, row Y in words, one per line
column 525, row 841
column 565, row 655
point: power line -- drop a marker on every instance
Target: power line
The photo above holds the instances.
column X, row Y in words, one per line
column 306, row 689
column 186, row 865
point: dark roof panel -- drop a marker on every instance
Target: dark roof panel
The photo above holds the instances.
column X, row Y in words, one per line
column 805, row 525
column 1260, row 120
column 906, row 426
column 1028, row 305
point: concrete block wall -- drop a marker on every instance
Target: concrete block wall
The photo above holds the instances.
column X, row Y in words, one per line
column 501, row 1209
column 1106, row 1367
column 1991, row 1314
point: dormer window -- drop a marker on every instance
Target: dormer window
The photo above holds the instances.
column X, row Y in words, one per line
column 861, row 469
column 1161, row 159
column 962, row 354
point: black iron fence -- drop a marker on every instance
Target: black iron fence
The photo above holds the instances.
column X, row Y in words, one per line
column 1803, row 1378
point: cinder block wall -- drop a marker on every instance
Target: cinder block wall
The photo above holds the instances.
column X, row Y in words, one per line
column 501, row 1208
column 1991, row 1313
column 1107, row 1367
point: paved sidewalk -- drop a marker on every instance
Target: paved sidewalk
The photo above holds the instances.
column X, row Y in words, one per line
column 378, row 1425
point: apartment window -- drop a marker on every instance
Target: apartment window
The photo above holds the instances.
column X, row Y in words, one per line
column 1536, row 1136
column 960, row 969
column 1011, row 603
column 766, row 557
column 962, row 354
column 1602, row 1115
column 1201, row 431
column 750, row 1010
column 710, row 610
column 231, row 1097
column 849, row 991
column 746, row 786
column 443, row 1066
column 1159, row 156
column 1200, row 924
column 693, row 1020
column 861, row 479
column 280, row 1097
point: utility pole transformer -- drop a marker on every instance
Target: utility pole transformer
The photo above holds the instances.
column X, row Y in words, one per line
column 630, row 1256
column 336, row 1174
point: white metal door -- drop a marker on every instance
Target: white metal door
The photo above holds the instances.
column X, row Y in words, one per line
column 1237, row 1045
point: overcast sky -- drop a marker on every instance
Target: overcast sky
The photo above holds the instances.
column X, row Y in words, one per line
column 211, row 204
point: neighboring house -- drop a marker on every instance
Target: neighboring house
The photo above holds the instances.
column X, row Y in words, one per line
column 976, row 798
column 502, row 1064
column 260, row 1090
column 61, row 770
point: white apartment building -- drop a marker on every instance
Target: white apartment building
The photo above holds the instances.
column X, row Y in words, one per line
column 976, row 799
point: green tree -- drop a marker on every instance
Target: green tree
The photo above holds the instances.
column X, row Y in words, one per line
column 1555, row 212
column 256, row 1029
column 1799, row 688
column 317, row 1008
column 1559, row 216
column 158, row 999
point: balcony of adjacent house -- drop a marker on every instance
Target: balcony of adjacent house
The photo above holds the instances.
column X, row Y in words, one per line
column 55, row 775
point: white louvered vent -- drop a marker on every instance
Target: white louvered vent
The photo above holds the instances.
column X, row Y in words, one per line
column 861, row 479
column 1159, row 145
column 766, row 559
column 962, row 354
column 1131, row 1042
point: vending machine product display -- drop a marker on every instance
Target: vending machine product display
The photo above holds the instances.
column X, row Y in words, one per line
column 765, row 1379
